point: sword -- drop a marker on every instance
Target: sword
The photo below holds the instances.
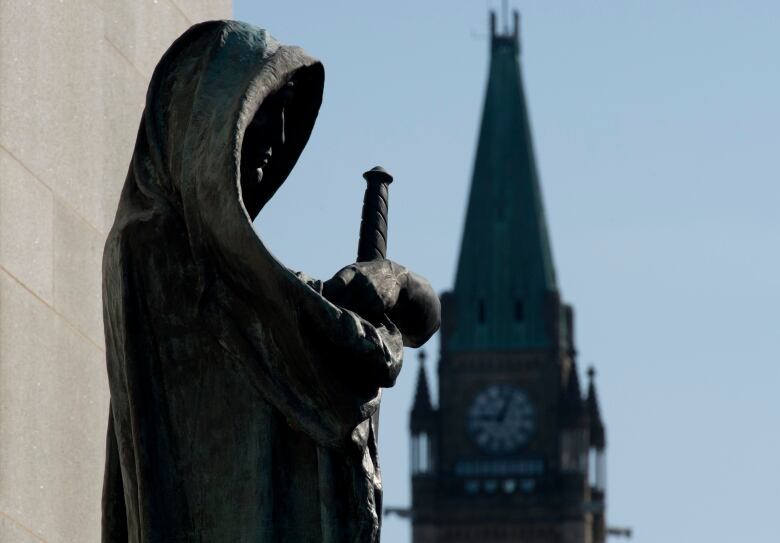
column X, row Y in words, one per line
column 372, row 243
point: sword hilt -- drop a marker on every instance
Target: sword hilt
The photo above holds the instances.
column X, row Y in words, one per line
column 372, row 244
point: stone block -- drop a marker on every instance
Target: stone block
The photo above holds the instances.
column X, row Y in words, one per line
column 13, row 531
column 73, row 88
column 26, row 236
column 142, row 31
column 53, row 413
column 78, row 250
column 204, row 10
column 122, row 104
column 51, row 117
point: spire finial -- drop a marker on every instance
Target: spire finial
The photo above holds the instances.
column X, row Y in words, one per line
column 591, row 373
column 422, row 397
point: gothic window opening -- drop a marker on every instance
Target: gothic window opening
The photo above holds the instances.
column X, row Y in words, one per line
column 574, row 451
column 519, row 310
column 597, row 470
column 422, row 454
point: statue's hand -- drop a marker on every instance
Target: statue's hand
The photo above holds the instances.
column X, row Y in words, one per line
column 369, row 289
column 381, row 287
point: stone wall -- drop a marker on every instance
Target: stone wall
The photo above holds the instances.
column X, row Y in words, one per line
column 73, row 76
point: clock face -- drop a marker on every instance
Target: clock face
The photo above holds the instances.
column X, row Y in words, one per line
column 501, row 419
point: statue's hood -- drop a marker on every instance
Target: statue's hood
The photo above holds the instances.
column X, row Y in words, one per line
column 204, row 93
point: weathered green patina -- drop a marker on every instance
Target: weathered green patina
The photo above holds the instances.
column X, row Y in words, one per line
column 505, row 270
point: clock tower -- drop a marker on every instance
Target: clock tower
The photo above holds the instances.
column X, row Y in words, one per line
column 514, row 451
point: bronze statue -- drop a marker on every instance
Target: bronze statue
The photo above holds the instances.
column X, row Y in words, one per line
column 242, row 394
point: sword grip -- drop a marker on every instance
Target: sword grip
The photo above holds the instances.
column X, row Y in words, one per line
column 372, row 243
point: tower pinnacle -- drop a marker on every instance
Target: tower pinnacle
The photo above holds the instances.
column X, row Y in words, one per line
column 597, row 433
column 505, row 34
column 422, row 396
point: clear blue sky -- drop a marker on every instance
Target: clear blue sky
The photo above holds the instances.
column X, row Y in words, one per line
column 657, row 132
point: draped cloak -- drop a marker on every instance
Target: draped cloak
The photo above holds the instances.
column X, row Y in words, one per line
column 241, row 399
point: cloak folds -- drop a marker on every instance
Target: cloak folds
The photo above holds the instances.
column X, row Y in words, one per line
column 240, row 397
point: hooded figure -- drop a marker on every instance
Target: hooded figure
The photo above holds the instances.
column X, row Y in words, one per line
column 241, row 395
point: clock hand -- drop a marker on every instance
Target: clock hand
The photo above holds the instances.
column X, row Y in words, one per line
column 504, row 409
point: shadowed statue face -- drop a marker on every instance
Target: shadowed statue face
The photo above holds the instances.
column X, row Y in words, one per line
column 264, row 141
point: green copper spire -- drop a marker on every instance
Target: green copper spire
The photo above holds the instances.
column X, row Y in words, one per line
column 505, row 271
